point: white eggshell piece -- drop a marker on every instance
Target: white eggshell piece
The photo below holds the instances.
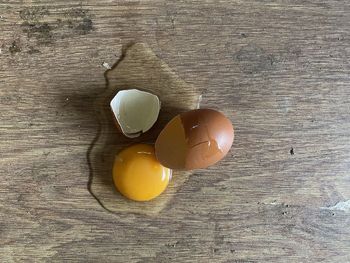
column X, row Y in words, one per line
column 136, row 111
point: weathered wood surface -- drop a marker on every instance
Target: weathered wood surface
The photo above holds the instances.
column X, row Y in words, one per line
column 278, row 69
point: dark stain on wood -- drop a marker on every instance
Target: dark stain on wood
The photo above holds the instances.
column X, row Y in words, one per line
column 42, row 31
column 40, row 23
column 33, row 13
column 84, row 27
column 79, row 19
column 291, row 151
column 15, row 47
column 254, row 59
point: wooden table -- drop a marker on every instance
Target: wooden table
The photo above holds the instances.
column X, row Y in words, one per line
column 278, row 69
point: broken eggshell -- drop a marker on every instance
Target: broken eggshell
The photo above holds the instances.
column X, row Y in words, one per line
column 194, row 139
column 135, row 111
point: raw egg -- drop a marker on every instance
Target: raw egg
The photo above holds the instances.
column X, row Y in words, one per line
column 194, row 139
column 138, row 175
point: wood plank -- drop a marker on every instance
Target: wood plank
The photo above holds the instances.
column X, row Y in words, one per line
column 278, row 69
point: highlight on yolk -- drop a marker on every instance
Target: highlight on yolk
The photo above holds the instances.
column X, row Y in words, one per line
column 138, row 175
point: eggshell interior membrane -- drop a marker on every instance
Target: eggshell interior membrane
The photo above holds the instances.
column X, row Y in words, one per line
column 194, row 139
column 135, row 111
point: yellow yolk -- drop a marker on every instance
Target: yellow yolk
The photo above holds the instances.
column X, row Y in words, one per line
column 138, row 175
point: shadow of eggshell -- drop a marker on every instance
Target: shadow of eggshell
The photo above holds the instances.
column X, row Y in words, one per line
column 139, row 68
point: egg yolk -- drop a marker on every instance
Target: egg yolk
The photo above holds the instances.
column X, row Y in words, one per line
column 138, row 175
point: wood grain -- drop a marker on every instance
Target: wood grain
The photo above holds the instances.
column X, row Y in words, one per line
column 278, row 69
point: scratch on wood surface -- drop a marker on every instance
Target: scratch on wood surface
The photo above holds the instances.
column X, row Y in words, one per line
column 340, row 206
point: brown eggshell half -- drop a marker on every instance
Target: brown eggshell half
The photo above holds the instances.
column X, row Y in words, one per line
column 194, row 139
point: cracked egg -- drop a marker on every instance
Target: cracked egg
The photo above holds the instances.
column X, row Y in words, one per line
column 194, row 139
